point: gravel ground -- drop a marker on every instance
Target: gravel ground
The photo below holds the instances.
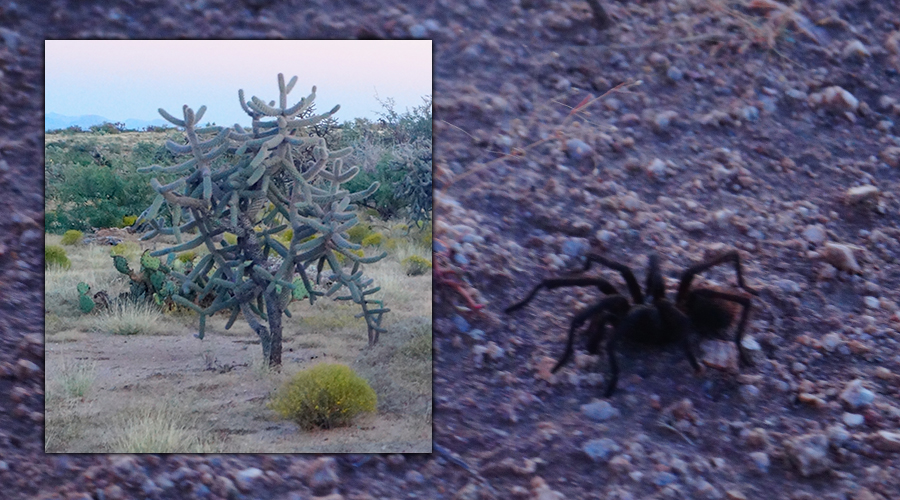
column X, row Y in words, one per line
column 755, row 129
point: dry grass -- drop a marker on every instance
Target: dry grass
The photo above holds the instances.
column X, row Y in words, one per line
column 72, row 380
column 164, row 428
column 134, row 318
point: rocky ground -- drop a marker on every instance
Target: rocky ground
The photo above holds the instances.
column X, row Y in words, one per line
column 754, row 128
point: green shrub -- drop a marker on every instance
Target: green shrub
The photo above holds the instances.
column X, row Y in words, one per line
column 340, row 257
column 127, row 249
column 325, row 396
column 415, row 265
column 72, row 237
column 286, row 236
column 392, row 244
column 356, row 233
column 188, row 256
column 231, row 239
column 129, row 220
column 55, row 255
column 373, row 239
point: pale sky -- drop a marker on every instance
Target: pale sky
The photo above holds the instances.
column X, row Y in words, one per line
column 122, row 79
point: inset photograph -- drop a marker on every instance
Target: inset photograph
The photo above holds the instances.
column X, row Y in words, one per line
column 238, row 246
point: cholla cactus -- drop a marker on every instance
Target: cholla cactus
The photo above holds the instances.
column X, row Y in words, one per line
column 254, row 184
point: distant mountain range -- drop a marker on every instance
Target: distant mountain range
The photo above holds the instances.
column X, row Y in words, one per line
column 56, row 121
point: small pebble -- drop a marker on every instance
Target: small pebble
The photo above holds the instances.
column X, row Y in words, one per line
column 871, row 302
column 600, row 450
column 809, row 454
column 578, row 149
column 887, row 441
column 760, row 460
column 664, row 478
column 461, row 324
column 600, row 411
column 856, row 396
column 815, row 233
column 853, row 419
column 860, row 194
column 674, row 73
column 244, row 479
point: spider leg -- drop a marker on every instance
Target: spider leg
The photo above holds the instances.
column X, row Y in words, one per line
column 633, row 288
column 745, row 313
column 616, row 303
column 553, row 283
column 688, row 276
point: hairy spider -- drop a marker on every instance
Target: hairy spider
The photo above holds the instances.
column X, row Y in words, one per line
column 653, row 319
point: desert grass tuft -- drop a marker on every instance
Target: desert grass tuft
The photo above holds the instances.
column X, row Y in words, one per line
column 133, row 318
column 159, row 429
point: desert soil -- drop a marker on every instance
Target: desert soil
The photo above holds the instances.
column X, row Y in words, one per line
column 219, row 387
column 747, row 161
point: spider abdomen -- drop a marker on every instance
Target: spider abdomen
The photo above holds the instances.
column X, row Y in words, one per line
column 709, row 316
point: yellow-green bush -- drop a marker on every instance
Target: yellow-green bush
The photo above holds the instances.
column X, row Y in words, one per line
column 188, row 256
column 127, row 249
column 392, row 244
column 340, row 257
column 415, row 265
column 55, row 255
column 129, row 220
column 426, row 236
column 286, row 236
column 325, row 396
column 373, row 239
column 356, row 233
column 230, row 238
column 72, row 237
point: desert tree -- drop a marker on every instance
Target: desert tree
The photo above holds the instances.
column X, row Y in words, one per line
column 256, row 183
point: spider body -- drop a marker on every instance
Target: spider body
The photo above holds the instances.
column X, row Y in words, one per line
column 650, row 317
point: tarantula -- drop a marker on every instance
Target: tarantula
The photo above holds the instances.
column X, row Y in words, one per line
column 653, row 319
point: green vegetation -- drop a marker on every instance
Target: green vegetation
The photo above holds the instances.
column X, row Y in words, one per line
column 416, row 265
column 85, row 302
column 373, row 240
column 72, row 237
column 324, row 396
column 55, row 255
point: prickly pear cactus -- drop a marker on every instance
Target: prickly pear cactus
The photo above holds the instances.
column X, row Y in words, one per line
column 85, row 302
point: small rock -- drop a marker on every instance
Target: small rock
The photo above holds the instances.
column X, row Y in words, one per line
column 871, row 302
column 244, row 479
column 720, row 354
column 575, row 247
column 461, row 324
column 887, row 441
column 856, row 49
column 814, row 233
column 664, row 478
column 631, row 203
column 749, row 393
column 658, row 60
column 837, row 435
column 657, row 168
column 853, row 419
column 605, row 236
column 541, row 491
column 418, row 31
column 663, row 120
column 809, row 454
column 859, row 194
column 835, row 99
column 26, row 369
column 322, row 475
column 856, row 396
column 600, row 450
column 891, row 156
column 674, row 73
column 415, row 477
column 760, row 460
column 831, row 341
column 841, row 257
column 600, row 411
column 788, row 286
column 578, row 149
